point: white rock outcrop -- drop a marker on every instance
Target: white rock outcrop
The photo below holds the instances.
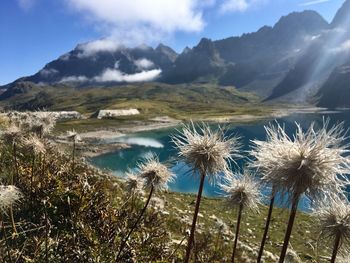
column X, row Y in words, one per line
column 105, row 114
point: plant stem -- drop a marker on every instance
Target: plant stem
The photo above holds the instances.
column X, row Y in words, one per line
column 31, row 181
column 292, row 215
column 12, row 180
column 73, row 158
column 336, row 247
column 13, row 221
column 193, row 227
column 267, row 226
column 14, row 154
column 177, row 248
column 46, row 233
column 5, row 236
column 237, row 232
column 135, row 224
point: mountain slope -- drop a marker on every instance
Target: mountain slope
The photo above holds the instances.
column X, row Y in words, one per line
column 291, row 61
column 335, row 92
column 327, row 51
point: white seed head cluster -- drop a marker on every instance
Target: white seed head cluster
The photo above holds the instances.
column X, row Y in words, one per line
column 34, row 144
column 334, row 219
column 41, row 123
column 73, row 136
column 134, row 183
column 154, row 173
column 242, row 190
column 312, row 162
column 12, row 134
column 207, row 151
column 10, row 195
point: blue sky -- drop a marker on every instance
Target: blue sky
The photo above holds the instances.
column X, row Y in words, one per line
column 34, row 32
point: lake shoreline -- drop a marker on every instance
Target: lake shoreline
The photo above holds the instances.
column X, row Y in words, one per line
column 97, row 141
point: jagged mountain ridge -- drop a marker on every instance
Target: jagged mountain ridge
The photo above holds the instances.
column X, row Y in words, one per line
column 275, row 61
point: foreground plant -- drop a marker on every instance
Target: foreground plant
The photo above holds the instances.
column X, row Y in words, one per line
column 334, row 221
column 10, row 195
column 311, row 163
column 208, row 153
column 156, row 176
column 74, row 137
column 242, row 192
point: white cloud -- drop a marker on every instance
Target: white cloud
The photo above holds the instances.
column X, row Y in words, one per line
column 314, row 2
column 26, row 4
column 74, row 79
column 110, row 75
column 238, row 5
column 93, row 47
column 234, row 5
column 144, row 63
column 344, row 47
column 48, row 72
column 140, row 21
column 115, row 75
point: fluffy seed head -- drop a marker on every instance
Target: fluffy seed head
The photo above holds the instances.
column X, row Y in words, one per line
column 334, row 219
column 242, row 189
column 34, row 144
column 134, row 183
column 207, row 151
column 154, row 173
column 312, row 162
column 73, row 136
column 12, row 134
column 10, row 195
column 43, row 123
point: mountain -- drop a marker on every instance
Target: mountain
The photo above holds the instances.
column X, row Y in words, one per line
column 342, row 16
column 327, row 51
column 87, row 64
column 335, row 92
column 298, row 60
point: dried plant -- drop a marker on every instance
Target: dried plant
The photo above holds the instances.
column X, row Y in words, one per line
column 205, row 150
column 156, row 176
column 133, row 183
column 312, row 162
column 208, row 153
column 74, row 137
column 10, row 195
column 42, row 123
column 334, row 221
column 34, row 144
column 12, row 134
column 242, row 192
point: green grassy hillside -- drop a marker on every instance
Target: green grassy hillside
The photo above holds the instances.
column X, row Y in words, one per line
column 150, row 98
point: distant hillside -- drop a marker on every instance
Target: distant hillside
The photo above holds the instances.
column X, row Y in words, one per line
column 152, row 99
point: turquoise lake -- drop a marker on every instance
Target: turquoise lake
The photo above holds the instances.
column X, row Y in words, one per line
column 158, row 142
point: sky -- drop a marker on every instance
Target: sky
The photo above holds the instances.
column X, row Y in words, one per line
column 35, row 32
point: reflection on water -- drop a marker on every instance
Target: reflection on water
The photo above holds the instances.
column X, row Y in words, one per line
column 159, row 143
column 141, row 141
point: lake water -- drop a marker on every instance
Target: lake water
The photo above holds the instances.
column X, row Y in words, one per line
column 159, row 142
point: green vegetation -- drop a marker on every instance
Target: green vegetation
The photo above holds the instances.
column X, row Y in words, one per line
column 57, row 208
column 152, row 99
